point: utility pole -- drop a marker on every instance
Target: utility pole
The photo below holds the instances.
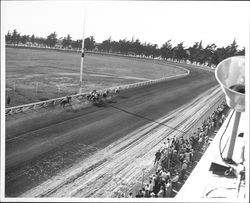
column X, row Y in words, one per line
column 82, row 55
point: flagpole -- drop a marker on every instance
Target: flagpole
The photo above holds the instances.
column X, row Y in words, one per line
column 82, row 56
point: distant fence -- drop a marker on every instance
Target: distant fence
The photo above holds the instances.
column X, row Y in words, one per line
column 83, row 96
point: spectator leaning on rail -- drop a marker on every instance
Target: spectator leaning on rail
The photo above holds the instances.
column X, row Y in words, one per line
column 168, row 188
column 147, row 194
column 151, row 186
column 183, row 170
column 175, row 179
column 157, row 156
column 161, row 192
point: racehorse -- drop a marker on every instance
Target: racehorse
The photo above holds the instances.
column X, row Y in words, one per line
column 117, row 91
column 67, row 100
column 99, row 99
column 105, row 94
column 93, row 96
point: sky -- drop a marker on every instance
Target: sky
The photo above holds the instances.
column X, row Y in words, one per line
column 154, row 22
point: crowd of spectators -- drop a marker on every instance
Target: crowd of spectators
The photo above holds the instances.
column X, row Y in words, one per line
column 177, row 155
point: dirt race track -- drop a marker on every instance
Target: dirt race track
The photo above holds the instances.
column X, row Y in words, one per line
column 101, row 151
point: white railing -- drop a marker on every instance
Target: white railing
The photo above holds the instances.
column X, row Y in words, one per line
column 83, row 96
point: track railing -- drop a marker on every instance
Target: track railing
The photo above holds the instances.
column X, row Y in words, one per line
column 83, row 96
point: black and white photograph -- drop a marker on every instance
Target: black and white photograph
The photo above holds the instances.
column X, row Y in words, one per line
column 126, row 101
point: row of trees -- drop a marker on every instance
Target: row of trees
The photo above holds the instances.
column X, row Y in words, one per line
column 50, row 41
column 17, row 38
column 209, row 55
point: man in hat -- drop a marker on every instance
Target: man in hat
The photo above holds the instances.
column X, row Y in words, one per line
column 164, row 147
column 168, row 188
column 183, row 170
column 175, row 179
column 161, row 192
column 157, row 156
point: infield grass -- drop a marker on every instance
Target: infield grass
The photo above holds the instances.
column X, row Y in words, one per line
column 33, row 75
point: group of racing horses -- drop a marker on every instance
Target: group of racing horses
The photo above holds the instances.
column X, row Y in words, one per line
column 94, row 97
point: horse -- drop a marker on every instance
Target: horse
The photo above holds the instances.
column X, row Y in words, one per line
column 67, row 100
column 96, row 98
column 117, row 91
column 88, row 96
column 105, row 94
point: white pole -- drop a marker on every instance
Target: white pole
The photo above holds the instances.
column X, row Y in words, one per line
column 82, row 54
column 233, row 135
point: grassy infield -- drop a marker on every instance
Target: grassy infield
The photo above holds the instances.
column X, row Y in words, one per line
column 33, row 75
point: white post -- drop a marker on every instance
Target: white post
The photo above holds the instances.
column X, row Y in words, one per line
column 82, row 55
column 233, row 135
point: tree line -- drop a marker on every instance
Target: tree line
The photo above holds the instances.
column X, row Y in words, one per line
column 209, row 55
